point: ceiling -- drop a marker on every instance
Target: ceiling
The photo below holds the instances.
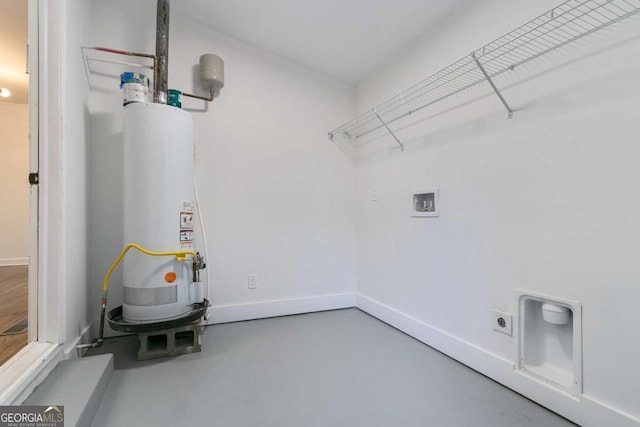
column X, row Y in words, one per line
column 346, row 39
column 13, row 41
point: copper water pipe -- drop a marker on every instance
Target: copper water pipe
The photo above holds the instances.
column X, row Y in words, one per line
column 141, row 55
column 204, row 98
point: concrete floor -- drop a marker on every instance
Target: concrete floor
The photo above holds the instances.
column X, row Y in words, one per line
column 336, row 368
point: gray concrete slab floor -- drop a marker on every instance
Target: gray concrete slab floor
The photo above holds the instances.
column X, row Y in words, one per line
column 335, row 368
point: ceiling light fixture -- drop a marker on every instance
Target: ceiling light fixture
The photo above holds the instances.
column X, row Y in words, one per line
column 4, row 92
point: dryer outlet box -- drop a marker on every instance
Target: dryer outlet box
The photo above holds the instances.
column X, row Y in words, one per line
column 502, row 322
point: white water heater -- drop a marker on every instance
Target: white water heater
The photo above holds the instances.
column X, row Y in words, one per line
column 158, row 212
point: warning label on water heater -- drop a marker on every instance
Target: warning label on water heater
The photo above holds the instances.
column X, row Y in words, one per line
column 186, row 220
column 186, row 239
column 186, row 228
column 188, row 206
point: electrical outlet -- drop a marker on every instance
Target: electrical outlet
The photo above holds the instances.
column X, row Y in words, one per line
column 374, row 194
column 253, row 281
column 502, row 322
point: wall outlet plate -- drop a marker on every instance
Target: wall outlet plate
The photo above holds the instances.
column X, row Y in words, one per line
column 253, row 281
column 373, row 194
column 502, row 322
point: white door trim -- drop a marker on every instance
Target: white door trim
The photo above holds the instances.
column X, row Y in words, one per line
column 50, row 50
column 33, row 167
column 22, row 373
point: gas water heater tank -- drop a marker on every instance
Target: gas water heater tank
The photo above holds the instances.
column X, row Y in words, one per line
column 158, row 211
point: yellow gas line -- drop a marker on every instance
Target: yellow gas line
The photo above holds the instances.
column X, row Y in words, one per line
column 180, row 256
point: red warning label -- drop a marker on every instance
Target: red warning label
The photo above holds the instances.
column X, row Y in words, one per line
column 186, row 220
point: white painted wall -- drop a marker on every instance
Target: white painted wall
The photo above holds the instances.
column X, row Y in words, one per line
column 74, row 174
column 544, row 202
column 277, row 197
column 14, row 155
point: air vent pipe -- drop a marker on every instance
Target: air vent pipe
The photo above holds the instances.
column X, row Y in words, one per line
column 162, row 50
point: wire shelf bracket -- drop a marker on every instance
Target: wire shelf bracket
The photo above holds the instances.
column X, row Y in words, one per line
column 493, row 85
column 389, row 130
column 562, row 25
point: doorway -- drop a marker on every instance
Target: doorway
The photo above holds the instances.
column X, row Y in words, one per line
column 15, row 158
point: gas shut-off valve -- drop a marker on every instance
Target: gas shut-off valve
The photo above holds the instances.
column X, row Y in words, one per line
column 198, row 264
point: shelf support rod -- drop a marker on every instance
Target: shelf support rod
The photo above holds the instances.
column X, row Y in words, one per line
column 388, row 130
column 495, row 88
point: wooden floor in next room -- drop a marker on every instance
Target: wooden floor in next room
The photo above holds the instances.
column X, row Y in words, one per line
column 13, row 310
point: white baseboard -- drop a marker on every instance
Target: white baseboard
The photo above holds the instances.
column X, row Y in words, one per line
column 8, row 262
column 283, row 307
column 583, row 410
column 87, row 335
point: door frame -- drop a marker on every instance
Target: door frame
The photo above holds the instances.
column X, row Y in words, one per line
column 33, row 168
column 47, row 96
column 30, row 366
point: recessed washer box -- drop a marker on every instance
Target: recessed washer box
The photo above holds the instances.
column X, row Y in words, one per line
column 549, row 337
column 425, row 203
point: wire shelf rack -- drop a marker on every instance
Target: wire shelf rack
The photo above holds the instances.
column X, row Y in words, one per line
column 558, row 27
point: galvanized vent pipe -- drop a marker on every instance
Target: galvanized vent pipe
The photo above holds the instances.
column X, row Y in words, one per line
column 162, row 50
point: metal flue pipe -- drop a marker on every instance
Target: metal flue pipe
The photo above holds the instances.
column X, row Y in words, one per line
column 162, row 50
